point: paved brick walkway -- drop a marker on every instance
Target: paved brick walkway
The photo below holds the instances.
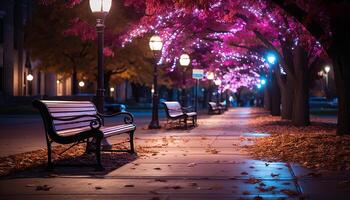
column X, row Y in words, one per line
column 207, row 162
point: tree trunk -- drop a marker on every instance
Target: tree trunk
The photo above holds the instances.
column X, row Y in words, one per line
column 74, row 81
column 339, row 51
column 287, row 94
column 275, row 96
column 267, row 99
column 301, row 114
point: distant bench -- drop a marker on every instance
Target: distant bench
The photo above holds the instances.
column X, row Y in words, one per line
column 215, row 108
column 175, row 112
column 68, row 122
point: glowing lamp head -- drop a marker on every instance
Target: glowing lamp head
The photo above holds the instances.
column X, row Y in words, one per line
column 210, row 75
column 100, row 6
column 263, row 81
column 217, row 82
column 185, row 60
column 155, row 43
column 30, row 77
column 111, row 89
column 327, row 69
column 81, row 84
column 258, row 85
column 271, row 58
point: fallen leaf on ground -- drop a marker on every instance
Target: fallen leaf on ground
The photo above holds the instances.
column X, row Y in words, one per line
column 160, row 180
column 193, row 184
column 176, row 187
column 43, row 188
column 191, row 164
column 244, row 173
column 129, row 185
column 253, row 181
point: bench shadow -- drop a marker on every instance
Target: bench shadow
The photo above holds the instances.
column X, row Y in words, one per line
column 81, row 165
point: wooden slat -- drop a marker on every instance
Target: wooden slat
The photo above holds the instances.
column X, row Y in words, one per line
column 72, row 114
column 70, row 105
column 71, row 131
column 56, row 109
column 72, row 126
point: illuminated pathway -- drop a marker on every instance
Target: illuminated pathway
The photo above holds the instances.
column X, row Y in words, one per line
column 207, row 162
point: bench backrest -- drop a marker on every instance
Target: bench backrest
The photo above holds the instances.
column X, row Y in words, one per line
column 65, row 109
column 173, row 108
column 213, row 105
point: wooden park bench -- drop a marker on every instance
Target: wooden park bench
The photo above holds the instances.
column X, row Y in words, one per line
column 179, row 115
column 75, row 122
column 214, row 108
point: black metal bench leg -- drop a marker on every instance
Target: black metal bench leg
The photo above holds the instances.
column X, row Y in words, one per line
column 49, row 153
column 132, row 148
column 99, row 166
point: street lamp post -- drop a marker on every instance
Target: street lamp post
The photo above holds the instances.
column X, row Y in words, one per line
column 327, row 69
column 100, row 8
column 81, row 85
column 30, row 78
column 184, row 62
column 155, row 44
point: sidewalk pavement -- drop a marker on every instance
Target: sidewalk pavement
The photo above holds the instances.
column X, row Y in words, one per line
column 207, row 162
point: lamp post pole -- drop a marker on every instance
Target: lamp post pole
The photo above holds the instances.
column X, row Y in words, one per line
column 155, row 100
column 100, row 8
column 100, row 83
column 196, row 96
column 184, row 62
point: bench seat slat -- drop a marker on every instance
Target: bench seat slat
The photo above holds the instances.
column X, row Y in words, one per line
column 119, row 129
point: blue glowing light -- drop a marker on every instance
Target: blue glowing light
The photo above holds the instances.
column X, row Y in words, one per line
column 263, row 81
column 258, row 85
column 271, row 59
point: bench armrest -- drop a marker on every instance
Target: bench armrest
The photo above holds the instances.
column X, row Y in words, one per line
column 94, row 124
column 128, row 119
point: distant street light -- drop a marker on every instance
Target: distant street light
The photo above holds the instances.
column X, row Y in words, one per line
column 111, row 89
column 185, row 60
column 327, row 69
column 81, row 84
column 156, row 45
column 263, row 81
column 258, row 85
column 100, row 8
column 210, row 75
column 271, row 58
column 30, row 77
